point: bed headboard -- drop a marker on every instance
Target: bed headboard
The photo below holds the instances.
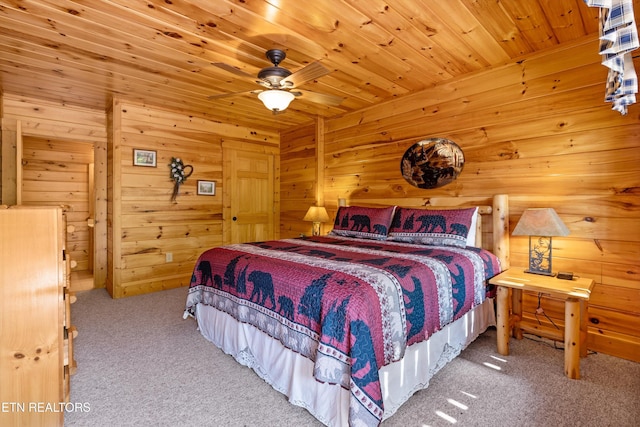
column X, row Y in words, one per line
column 500, row 219
column 495, row 217
column 492, row 231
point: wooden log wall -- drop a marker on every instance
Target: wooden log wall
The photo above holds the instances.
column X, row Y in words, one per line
column 298, row 183
column 56, row 172
column 537, row 130
column 3, row 137
column 32, row 121
column 154, row 242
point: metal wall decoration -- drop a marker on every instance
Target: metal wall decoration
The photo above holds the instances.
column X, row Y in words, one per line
column 179, row 174
column 432, row 163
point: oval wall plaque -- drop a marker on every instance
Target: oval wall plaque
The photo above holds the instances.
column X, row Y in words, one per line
column 432, row 163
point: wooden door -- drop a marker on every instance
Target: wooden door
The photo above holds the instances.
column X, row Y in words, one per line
column 250, row 208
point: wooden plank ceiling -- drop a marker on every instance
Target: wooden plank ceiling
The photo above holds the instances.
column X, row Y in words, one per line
column 162, row 52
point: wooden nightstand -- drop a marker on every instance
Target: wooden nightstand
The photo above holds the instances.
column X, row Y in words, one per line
column 576, row 294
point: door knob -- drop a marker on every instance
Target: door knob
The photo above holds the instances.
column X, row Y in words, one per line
column 235, row 218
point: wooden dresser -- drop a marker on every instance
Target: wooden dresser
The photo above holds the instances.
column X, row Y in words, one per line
column 36, row 336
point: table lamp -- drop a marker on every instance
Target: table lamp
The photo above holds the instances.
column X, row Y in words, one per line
column 317, row 215
column 540, row 224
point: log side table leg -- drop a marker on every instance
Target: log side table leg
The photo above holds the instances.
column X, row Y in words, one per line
column 572, row 338
column 502, row 320
column 584, row 327
column 516, row 313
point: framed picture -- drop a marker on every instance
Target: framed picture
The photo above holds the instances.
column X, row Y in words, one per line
column 207, row 188
column 144, row 158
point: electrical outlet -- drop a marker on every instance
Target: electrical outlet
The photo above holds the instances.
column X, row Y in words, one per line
column 169, row 257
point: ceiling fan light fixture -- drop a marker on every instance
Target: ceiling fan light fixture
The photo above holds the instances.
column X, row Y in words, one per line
column 275, row 99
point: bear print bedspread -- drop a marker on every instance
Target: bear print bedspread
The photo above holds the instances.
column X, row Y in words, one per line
column 350, row 305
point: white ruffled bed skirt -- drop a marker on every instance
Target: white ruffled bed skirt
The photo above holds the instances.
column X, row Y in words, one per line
column 292, row 374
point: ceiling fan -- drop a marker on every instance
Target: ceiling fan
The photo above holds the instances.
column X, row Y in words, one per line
column 281, row 83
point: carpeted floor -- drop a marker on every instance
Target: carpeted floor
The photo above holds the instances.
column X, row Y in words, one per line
column 140, row 364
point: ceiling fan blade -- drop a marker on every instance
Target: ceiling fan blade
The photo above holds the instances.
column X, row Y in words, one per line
column 321, row 98
column 234, row 70
column 310, row 72
column 225, row 95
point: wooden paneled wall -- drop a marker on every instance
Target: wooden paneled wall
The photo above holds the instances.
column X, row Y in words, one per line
column 150, row 243
column 154, row 242
column 33, row 121
column 56, row 172
column 298, row 184
column 538, row 130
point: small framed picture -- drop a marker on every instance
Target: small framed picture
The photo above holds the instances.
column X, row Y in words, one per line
column 144, row 158
column 207, row 188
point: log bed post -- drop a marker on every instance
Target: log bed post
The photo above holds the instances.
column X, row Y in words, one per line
column 501, row 250
column 501, row 229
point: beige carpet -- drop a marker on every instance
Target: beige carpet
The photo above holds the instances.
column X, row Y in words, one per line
column 141, row 364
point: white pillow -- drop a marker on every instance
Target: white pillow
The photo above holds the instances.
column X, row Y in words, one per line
column 471, row 237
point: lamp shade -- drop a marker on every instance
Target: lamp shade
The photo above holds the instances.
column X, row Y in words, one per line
column 316, row 214
column 540, row 222
column 275, row 99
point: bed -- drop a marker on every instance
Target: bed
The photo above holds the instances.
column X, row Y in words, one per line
column 351, row 324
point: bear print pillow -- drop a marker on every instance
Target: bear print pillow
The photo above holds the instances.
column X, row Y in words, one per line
column 446, row 227
column 366, row 223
